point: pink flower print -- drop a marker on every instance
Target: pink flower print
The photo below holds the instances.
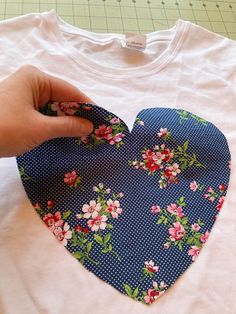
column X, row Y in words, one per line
column 65, row 108
column 79, row 216
column 155, row 209
column 152, row 166
column 204, row 237
column 148, row 154
column 86, row 230
column 87, row 108
column 158, row 158
column 174, row 169
column 71, row 178
column 162, row 184
column 151, row 160
column 195, row 227
column 139, row 122
column 166, row 245
column 170, row 174
column 176, row 233
column 152, row 295
column 176, row 210
column 222, row 187
column 220, row 203
column 97, row 222
column 155, row 157
column 113, row 139
column 121, row 194
column 95, row 189
column 167, row 173
column 101, row 186
column 193, row 186
column 84, row 139
column 163, row 133
column 135, row 164
column 79, row 228
column 142, row 165
column 103, row 132
column 37, row 206
column 50, row 203
column 115, row 120
column 151, row 267
column 90, row 208
column 53, row 221
column 63, row 234
column 163, row 285
column 210, row 190
column 167, row 154
column 194, row 252
column 114, row 208
column 210, row 195
column 155, row 285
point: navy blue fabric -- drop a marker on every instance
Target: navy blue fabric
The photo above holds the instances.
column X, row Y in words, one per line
column 137, row 236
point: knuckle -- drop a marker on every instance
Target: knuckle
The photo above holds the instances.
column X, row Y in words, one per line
column 70, row 126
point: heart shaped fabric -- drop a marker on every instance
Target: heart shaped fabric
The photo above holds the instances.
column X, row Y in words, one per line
column 135, row 208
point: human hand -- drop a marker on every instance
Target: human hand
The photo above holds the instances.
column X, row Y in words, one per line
column 22, row 127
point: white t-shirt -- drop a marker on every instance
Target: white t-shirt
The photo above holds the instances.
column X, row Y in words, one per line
column 184, row 67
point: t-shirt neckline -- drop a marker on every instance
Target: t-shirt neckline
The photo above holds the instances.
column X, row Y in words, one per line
column 59, row 26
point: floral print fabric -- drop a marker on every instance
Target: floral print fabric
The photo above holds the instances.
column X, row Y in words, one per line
column 135, row 208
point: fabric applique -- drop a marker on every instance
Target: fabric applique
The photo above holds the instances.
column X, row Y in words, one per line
column 134, row 207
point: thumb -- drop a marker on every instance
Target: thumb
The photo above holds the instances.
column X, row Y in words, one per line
column 66, row 126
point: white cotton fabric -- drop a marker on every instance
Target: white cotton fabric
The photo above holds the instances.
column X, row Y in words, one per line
column 185, row 67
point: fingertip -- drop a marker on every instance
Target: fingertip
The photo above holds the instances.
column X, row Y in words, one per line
column 66, row 126
column 86, row 127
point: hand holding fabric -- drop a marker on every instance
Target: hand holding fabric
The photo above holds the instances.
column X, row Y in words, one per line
column 22, row 127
